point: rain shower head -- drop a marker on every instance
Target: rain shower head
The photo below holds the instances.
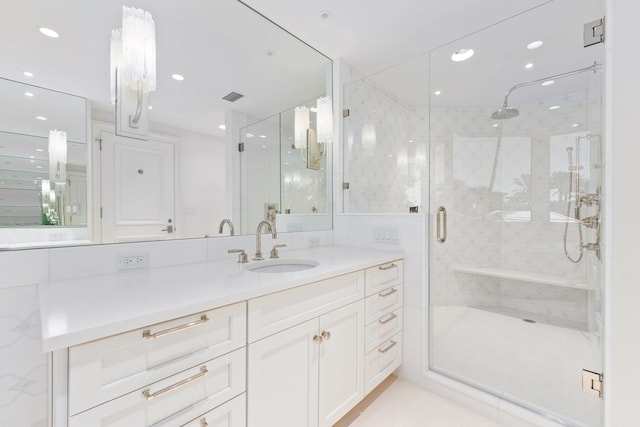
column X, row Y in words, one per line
column 505, row 113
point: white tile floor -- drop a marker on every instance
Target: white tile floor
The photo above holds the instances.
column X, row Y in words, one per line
column 399, row 403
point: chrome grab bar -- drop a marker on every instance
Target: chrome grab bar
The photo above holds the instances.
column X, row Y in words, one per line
column 441, row 224
column 387, row 348
column 387, row 267
column 387, row 320
column 150, row 396
column 391, row 292
column 148, row 335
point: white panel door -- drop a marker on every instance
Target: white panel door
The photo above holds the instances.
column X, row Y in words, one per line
column 137, row 189
column 341, row 373
column 282, row 383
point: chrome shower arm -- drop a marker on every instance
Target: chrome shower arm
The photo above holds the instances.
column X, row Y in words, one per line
column 593, row 67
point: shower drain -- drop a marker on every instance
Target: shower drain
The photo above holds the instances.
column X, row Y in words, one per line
column 529, row 320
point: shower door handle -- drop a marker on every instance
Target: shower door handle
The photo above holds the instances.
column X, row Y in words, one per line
column 441, row 224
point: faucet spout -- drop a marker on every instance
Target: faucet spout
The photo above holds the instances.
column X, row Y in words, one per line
column 271, row 228
column 229, row 223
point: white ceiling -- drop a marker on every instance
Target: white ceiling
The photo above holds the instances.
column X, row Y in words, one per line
column 219, row 46
column 372, row 35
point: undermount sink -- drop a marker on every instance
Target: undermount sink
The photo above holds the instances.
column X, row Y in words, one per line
column 282, row 265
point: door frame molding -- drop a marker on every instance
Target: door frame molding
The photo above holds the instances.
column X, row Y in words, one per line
column 96, row 183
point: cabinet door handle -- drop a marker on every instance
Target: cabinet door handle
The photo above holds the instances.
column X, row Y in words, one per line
column 150, row 396
column 387, row 267
column 317, row 339
column 387, row 348
column 148, row 335
column 388, row 319
column 326, row 335
column 390, row 292
column 204, row 423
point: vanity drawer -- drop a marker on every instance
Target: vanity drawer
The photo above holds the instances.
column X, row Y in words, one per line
column 383, row 276
column 381, row 329
column 231, row 414
column 111, row 367
column 281, row 310
column 382, row 361
column 381, row 302
column 175, row 400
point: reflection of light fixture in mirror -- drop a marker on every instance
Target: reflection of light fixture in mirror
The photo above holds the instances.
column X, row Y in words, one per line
column 133, row 71
column 324, row 120
column 301, row 124
column 58, row 156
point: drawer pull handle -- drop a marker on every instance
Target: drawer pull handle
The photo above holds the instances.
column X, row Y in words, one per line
column 148, row 335
column 204, row 423
column 390, row 292
column 387, row 348
column 387, row 267
column 150, row 396
column 388, row 319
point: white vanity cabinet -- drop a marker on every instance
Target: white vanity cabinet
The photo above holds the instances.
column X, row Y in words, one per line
column 165, row 374
column 286, row 350
column 310, row 373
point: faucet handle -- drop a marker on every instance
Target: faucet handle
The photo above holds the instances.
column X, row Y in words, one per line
column 274, row 251
column 242, row 257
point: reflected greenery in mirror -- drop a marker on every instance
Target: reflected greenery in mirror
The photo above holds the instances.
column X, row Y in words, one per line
column 218, row 47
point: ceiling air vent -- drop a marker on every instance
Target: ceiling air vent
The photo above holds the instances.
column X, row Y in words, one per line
column 232, row 97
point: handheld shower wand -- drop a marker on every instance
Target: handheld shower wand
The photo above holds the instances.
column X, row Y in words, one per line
column 573, row 170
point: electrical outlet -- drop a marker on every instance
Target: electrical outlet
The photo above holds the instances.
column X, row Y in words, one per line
column 133, row 261
column 387, row 234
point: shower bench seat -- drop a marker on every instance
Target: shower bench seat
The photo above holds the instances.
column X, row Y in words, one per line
column 525, row 276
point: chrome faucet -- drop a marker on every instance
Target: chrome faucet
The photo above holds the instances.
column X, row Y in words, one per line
column 222, row 223
column 272, row 229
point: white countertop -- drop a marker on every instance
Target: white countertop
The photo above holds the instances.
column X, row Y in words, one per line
column 80, row 310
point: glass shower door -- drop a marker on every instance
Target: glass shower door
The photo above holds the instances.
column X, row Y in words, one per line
column 515, row 286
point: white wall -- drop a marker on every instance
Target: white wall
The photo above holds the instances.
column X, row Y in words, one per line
column 622, row 232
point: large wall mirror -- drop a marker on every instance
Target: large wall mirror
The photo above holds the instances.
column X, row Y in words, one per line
column 205, row 158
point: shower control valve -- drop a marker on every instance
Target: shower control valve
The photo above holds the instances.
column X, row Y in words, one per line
column 591, row 222
column 591, row 199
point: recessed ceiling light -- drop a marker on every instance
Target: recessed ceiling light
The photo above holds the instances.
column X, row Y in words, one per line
column 28, row 73
column 248, row 135
column 29, row 94
column 495, row 125
column 411, row 140
column 462, row 55
column 389, row 155
column 325, row 14
column 38, row 167
column 437, row 93
column 49, row 32
column 534, row 45
column 32, row 161
column 178, row 77
column 39, row 150
column 575, row 125
column 41, row 118
column 529, row 65
column 263, row 136
column 548, row 83
column 223, row 127
column 286, row 163
column 150, row 107
column 554, row 107
column 264, row 146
